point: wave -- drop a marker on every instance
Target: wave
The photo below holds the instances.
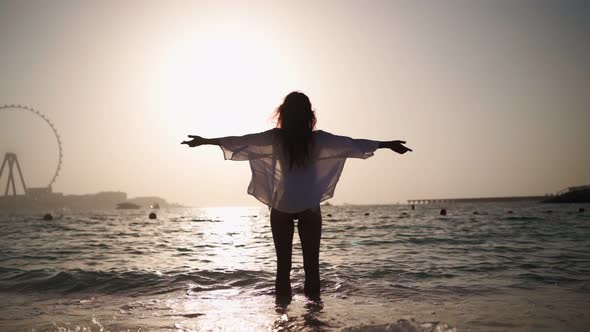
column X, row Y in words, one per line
column 551, row 279
column 404, row 325
column 523, row 218
column 144, row 282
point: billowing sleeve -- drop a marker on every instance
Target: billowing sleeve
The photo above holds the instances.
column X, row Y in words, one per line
column 248, row 147
column 334, row 146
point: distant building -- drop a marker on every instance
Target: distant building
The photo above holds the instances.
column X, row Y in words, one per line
column 576, row 194
column 578, row 188
column 102, row 200
column 39, row 193
column 44, row 199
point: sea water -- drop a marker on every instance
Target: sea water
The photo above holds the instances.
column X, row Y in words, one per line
column 482, row 267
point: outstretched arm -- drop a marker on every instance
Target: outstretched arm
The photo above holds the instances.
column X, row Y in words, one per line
column 397, row 146
column 246, row 147
column 198, row 140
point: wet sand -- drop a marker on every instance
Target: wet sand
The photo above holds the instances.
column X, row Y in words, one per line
column 550, row 309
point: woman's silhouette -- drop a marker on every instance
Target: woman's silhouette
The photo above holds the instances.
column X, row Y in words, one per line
column 294, row 168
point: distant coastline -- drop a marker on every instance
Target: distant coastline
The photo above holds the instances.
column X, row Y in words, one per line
column 49, row 201
column 44, row 200
column 577, row 194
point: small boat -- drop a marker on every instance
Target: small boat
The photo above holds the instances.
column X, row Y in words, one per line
column 155, row 206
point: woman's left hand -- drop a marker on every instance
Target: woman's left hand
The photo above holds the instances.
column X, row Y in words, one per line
column 398, row 146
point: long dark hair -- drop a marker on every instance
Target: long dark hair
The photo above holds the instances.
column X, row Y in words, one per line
column 296, row 119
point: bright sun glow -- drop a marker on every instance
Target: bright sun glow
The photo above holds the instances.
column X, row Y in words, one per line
column 224, row 80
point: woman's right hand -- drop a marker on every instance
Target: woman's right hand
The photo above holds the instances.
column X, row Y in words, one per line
column 195, row 141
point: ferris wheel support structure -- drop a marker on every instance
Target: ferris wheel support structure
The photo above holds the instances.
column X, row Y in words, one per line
column 11, row 160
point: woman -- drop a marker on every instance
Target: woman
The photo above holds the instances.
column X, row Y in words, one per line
column 294, row 168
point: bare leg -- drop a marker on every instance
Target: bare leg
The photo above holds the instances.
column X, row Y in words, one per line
column 282, row 233
column 310, row 233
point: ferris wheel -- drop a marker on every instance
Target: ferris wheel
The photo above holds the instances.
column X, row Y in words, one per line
column 10, row 162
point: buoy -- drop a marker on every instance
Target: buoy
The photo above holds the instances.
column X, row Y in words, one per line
column 581, row 210
column 443, row 212
column 413, row 207
column 509, row 212
column 153, row 216
column 475, row 212
column 549, row 211
column 367, row 213
column 329, row 215
column 48, row 216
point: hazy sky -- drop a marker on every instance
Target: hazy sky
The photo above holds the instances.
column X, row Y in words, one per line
column 493, row 96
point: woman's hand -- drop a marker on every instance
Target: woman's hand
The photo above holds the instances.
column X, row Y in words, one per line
column 195, row 141
column 397, row 146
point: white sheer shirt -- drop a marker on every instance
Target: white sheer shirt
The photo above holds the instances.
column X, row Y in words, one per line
column 294, row 190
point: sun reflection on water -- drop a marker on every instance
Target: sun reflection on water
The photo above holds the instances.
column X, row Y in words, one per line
column 227, row 235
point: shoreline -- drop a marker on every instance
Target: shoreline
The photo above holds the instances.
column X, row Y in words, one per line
column 548, row 309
